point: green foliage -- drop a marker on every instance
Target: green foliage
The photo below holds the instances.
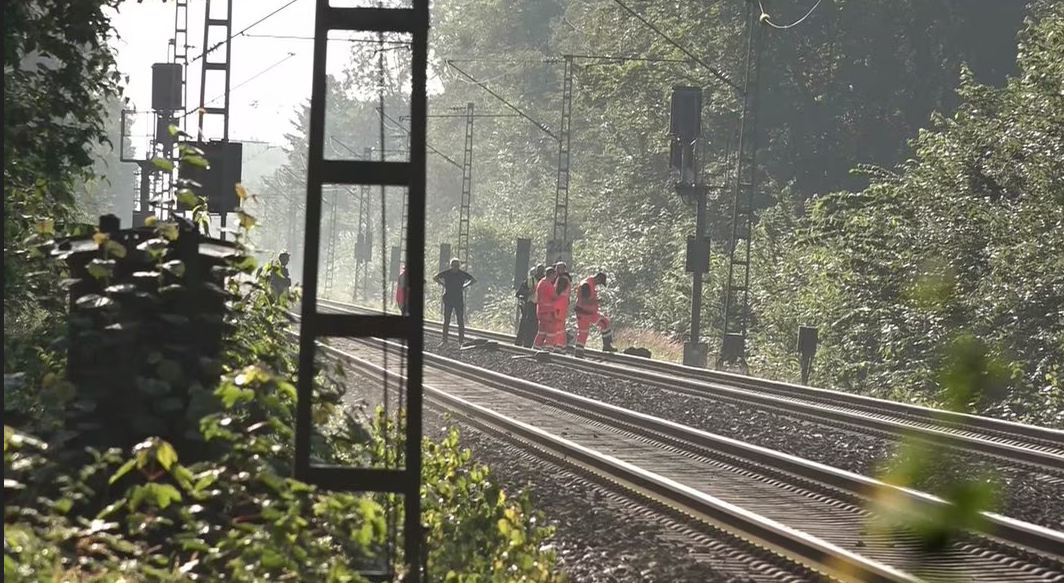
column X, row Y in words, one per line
column 968, row 371
column 237, row 515
column 474, row 530
column 509, row 534
column 966, row 237
column 55, row 60
column 204, row 493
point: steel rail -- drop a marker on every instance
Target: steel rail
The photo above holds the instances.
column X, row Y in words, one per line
column 1010, row 531
column 825, row 405
column 801, row 547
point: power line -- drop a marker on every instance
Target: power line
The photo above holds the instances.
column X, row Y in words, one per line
column 765, row 18
column 503, row 100
column 247, row 28
column 244, row 82
column 427, row 145
column 713, row 70
column 623, row 58
column 349, row 40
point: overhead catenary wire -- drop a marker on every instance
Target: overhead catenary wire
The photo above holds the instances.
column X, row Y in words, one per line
column 713, row 70
column 504, row 101
column 346, row 40
column 220, row 44
column 244, row 82
column 765, row 17
column 427, row 145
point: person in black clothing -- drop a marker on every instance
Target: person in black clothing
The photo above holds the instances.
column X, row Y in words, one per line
column 526, row 294
column 454, row 282
column 280, row 281
column 563, row 288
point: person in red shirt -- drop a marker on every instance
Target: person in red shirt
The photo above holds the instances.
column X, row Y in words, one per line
column 588, row 312
column 402, row 291
column 546, row 314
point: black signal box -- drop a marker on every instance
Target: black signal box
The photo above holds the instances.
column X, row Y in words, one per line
column 219, row 179
column 166, row 93
column 685, row 121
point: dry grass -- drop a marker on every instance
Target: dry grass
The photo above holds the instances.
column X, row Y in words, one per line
column 659, row 345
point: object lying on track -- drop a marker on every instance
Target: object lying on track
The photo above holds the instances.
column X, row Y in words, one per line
column 637, row 351
column 481, row 344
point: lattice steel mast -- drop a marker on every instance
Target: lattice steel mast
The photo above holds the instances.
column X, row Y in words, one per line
column 737, row 291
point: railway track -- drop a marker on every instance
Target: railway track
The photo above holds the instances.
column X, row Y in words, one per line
column 807, row 512
column 1038, row 448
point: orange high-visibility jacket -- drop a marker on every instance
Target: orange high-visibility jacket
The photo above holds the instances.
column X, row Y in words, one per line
column 588, row 306
column 562, row 290
column 545, row 296
column 400, row 289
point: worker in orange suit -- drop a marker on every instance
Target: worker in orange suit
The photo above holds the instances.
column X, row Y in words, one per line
column 562, row 290
column 588, row 312
column 402, row 291
column 546, row 314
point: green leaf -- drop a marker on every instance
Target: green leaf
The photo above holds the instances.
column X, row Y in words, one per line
column 188, row 198
column 165, row 455
column 168, row 229
column 163, row 163
column 195, row 160
column 163, row 494
column 122, row 470
column 101, row 268
column 115, row 248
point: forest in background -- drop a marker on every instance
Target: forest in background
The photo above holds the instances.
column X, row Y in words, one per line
column 910, row 159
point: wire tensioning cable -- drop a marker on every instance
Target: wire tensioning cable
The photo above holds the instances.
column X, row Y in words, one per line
column 765, row 17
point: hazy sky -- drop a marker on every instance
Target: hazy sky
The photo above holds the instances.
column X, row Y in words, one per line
column 262, row 108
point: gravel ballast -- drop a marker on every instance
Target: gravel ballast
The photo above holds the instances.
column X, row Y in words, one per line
column 1026, row 495
column 597, row 539
column 601, row 534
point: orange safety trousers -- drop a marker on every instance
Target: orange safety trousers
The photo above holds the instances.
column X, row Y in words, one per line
column 584, row 323
column 547, row 324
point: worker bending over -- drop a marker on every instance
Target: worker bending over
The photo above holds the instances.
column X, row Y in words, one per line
column 588, row 312
column 546, row 308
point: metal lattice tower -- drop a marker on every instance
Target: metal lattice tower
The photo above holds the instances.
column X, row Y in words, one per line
column 737, row 290
column 363, row 240
column 219, row 26
column 467, row 191
column 330, row 251
column 404, row 481
column 223, row 26
column 402, row 231
column 405, row 214
column 561, row 193
column 181, row 50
